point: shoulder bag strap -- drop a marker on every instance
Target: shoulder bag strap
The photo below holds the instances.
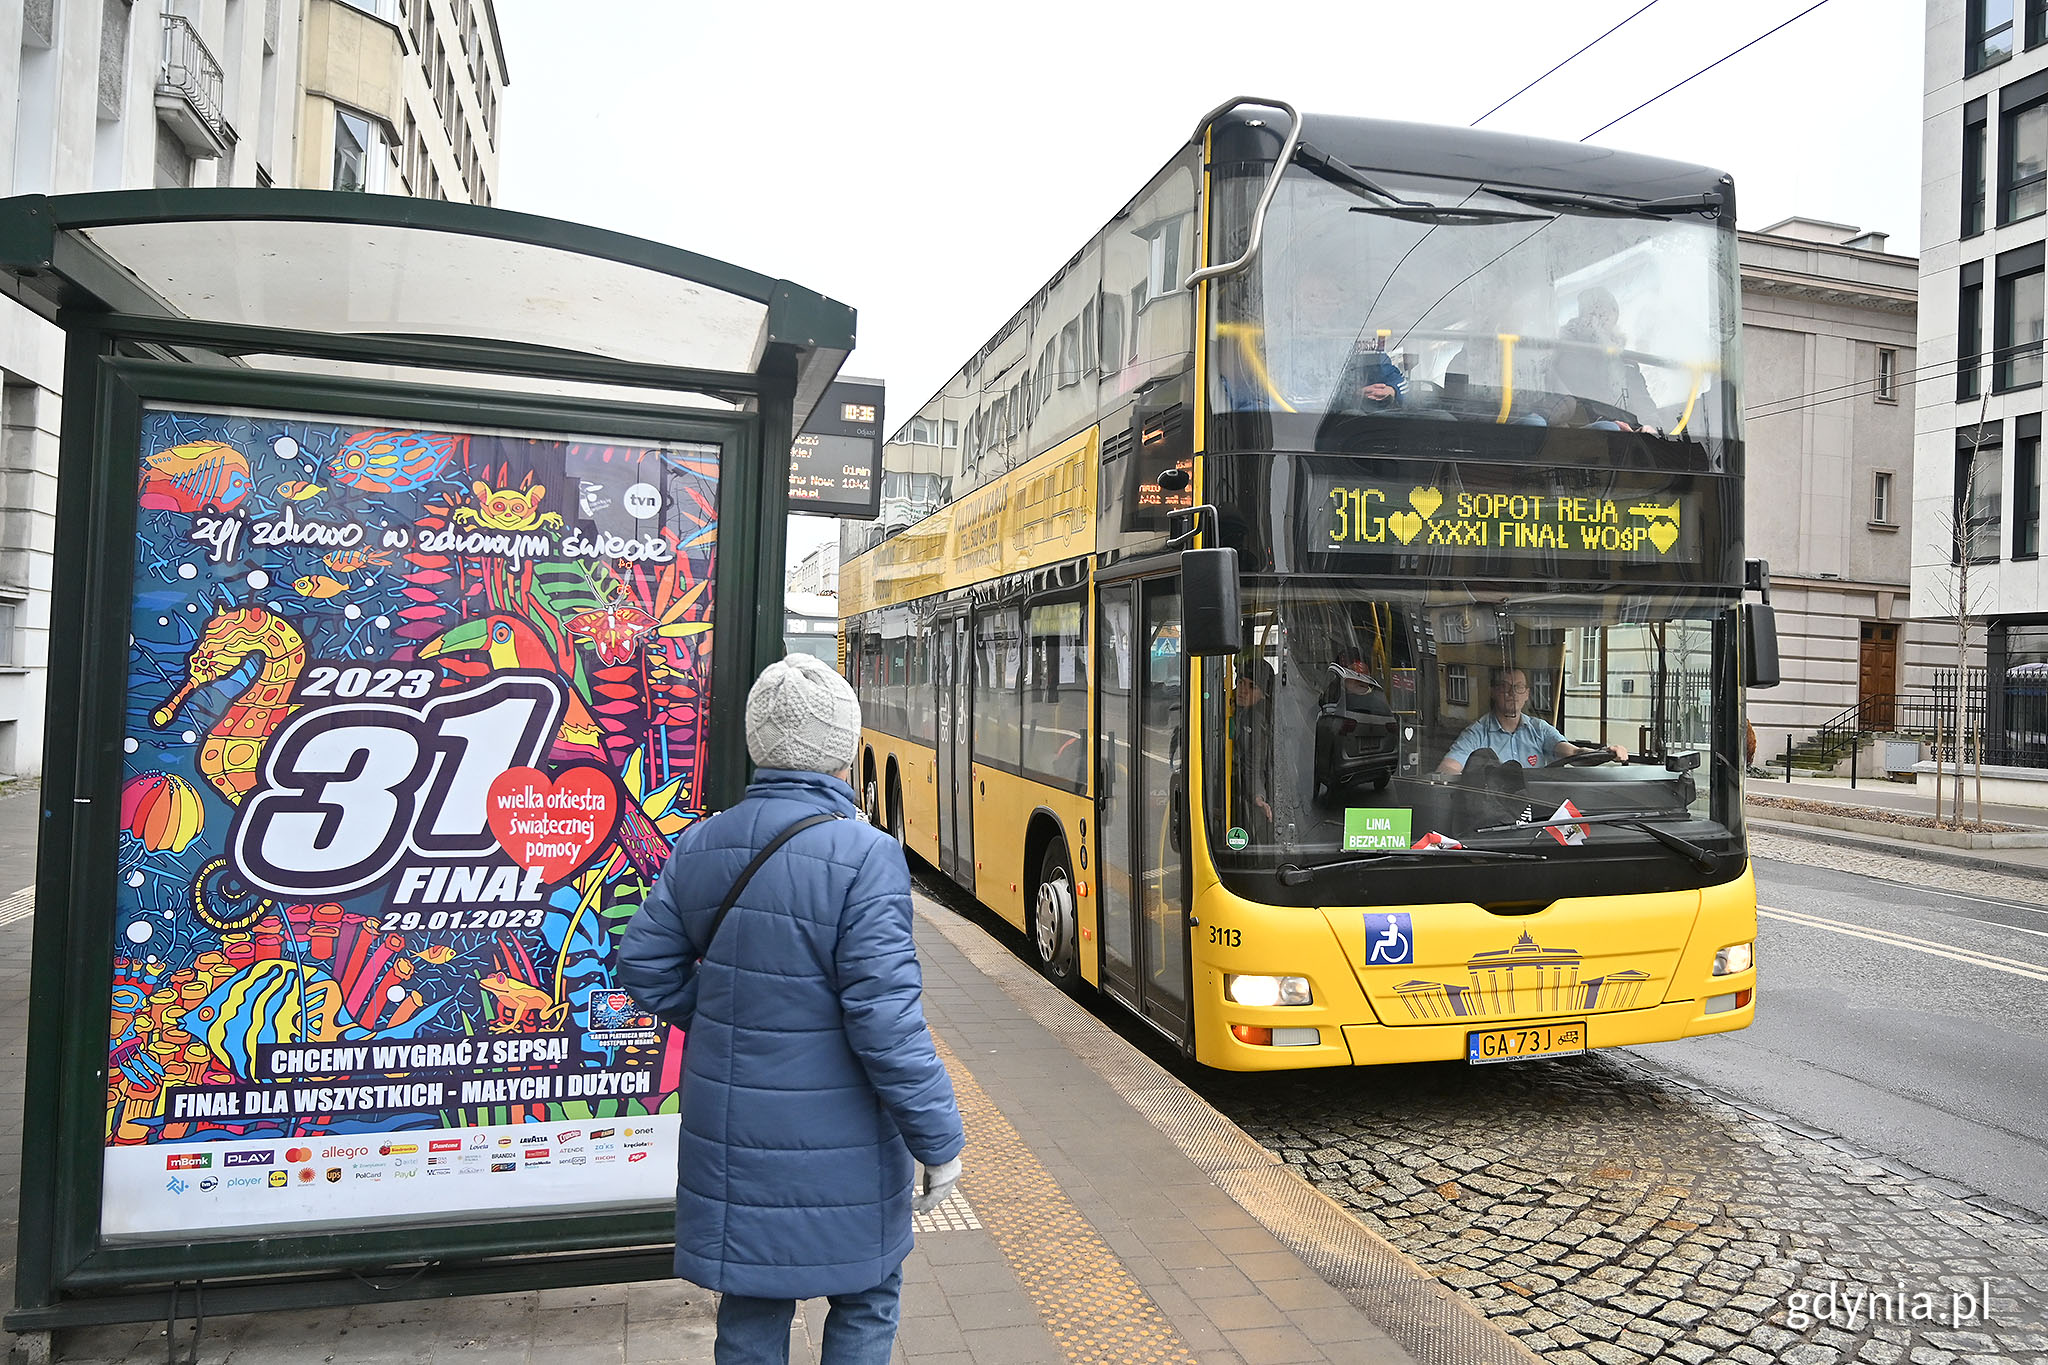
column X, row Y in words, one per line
column 755, row 866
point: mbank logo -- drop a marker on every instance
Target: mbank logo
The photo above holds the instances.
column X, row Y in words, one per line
column 189, row 1161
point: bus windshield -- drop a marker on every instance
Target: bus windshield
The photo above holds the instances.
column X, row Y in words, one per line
column 1530, row 310
column 1362, row 721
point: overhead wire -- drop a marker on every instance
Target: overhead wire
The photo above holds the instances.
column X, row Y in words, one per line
column 1703, row 71
column 1555, row 69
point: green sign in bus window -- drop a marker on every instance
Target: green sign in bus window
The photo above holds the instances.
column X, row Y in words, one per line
column 1366, row 829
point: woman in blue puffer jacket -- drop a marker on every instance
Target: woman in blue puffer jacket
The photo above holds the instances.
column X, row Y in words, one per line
column 810, row 1083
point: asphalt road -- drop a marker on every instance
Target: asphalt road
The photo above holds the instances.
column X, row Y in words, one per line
column 1906, row 1017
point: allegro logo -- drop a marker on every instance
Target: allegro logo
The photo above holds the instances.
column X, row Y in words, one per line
column 343, row 1153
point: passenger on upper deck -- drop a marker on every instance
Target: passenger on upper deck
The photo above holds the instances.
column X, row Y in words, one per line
column 1371, row 381
column 1589, row 366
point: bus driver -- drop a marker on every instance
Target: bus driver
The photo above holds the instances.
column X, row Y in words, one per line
column 1512, row 735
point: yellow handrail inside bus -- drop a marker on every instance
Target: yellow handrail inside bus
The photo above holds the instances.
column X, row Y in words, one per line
column 1507, row 375
column 1699, row 379
column 1246, row 334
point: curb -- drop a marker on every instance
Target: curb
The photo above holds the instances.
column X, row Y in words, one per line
column 2034, row 837
column 1421, row 1314
column 1933, row 853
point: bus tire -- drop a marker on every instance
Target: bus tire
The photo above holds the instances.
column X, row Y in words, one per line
column 870, row 794
column 1054, row 926
column 896, row 807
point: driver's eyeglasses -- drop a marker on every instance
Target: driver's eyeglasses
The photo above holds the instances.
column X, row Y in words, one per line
column 1518, row 689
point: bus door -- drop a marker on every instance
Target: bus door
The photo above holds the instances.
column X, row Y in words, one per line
column 953, row 676
column 1141, row 805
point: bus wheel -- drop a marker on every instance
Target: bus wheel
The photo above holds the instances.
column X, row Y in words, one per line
column 870, row 798
column 1053, row 930
column 895, row 808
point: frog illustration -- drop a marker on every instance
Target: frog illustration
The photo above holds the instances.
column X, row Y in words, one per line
column 520, row 1005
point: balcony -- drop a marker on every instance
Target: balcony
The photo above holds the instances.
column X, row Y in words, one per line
column 189, row 93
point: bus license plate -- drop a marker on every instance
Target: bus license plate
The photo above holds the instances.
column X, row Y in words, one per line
column 1514, row 1044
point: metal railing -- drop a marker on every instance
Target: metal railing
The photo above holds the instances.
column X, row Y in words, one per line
column 190, row 71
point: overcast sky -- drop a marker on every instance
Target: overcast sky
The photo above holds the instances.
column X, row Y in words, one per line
column 932, row 165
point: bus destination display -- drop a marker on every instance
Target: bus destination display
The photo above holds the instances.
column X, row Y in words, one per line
column 1515, row 523
column 835, row 464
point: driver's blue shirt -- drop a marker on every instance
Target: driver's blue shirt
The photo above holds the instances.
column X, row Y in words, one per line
column 1530, row 744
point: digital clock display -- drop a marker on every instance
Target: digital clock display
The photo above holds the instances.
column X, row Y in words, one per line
column 856, row 412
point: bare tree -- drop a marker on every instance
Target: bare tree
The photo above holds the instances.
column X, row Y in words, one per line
column 1961, row 604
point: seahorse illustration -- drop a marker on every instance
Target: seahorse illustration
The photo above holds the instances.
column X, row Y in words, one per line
column 233, row 746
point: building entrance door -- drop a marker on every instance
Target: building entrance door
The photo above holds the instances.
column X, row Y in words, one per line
column 1877, row 675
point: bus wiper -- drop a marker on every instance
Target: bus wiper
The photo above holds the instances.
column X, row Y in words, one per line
column 1294, row 874
column 1597, row 203
column 1326, row 167
column 1705, row 859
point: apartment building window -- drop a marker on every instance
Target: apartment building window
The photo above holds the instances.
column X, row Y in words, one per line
column 2037, row 22
column 1457, row 685
column 1969, row 330
column 1881, row 498
column 1887, row 375
column 1976, row 126
column 1589, row 656
column 2026, row 486
column 2017, row 322
column 1987, row 35
column 355, row 151
column 1979, row 490
column 2023, row 161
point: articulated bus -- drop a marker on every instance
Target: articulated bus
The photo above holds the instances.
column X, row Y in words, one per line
column 1438, row 756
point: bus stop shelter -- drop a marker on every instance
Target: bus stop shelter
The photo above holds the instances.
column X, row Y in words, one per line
column 408, row 556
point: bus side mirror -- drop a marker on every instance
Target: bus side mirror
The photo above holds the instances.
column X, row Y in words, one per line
column 1212, row 620
column 1759, row 645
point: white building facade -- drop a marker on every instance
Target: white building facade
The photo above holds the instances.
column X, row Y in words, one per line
column 1829, row 354
column 399, row 96
column 1983, row 231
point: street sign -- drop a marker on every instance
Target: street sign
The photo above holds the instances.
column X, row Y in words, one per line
column 835, row 466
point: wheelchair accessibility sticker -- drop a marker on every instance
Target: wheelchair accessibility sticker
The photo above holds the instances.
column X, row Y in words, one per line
column 1389, row 939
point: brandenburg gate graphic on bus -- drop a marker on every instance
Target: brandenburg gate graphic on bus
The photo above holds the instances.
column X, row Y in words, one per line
column 1525, row 979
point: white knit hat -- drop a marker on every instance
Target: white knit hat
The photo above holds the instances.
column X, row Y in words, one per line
column 802, row 715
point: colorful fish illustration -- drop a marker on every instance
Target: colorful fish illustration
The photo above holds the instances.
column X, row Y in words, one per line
column 317, row 585
column 281, row 1001
column 379, row 461
column 298, row 490
column 613, row 630
column 436, row 955
column 195, row 475
column 348, row 561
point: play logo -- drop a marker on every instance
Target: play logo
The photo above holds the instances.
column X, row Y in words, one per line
column 249, row 1156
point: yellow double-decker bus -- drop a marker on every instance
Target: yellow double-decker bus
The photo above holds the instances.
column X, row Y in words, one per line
column 1447, row 763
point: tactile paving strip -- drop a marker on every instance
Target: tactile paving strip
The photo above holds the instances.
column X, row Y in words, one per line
column 1094, row 1309
column 953, row 1214
column 20, row 905
column 1423, row 1316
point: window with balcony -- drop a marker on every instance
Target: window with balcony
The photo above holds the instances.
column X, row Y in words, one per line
column 2017, row 329
column 1987, row 35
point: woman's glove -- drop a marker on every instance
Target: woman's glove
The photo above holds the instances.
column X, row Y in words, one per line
column 934, row 1183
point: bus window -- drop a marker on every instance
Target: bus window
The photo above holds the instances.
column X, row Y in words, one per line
column 1055, row 710
column 997, row 729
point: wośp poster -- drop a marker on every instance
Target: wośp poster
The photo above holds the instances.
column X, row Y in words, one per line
column 412, row 719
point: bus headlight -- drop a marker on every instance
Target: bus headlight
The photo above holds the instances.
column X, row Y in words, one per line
column 1267, row 990
column 1739, row 958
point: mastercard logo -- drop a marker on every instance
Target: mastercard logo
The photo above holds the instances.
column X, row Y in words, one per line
column 298, row 1154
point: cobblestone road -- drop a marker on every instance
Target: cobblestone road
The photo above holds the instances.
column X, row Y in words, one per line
column 1605, row 1212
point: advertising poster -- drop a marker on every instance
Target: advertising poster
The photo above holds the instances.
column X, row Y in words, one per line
column 412, row 719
